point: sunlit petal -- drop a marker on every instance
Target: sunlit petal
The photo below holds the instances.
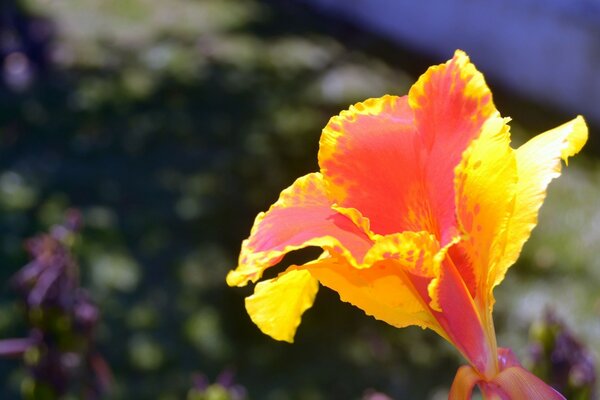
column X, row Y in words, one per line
column 451, row 102
column 277, row 304
column 457, row 314
column 384, row 291
column 368, row 156
column 485, row 182
column 414, row 251
column 301, row 217
column 538, row 163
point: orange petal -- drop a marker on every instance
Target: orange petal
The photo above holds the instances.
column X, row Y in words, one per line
column 301, row 217
column 393, row 158
column 465, row 380
column 358, row 219
column 368, row 156
column 450, row 102
column 538, row 163
column 384, row 291
column 277, row 305
column 485, row 186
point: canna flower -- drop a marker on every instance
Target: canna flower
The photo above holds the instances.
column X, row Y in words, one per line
column 420, row 206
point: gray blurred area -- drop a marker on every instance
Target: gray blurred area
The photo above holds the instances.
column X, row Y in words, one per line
column 546, row 50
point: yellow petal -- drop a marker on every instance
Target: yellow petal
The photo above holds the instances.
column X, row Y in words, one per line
column 414, row 251
column 538, row 162
column 485, row 187
column 385, row 291
column 277, row 305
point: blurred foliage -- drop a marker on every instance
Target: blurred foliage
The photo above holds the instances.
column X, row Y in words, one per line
column 59, row 350
column 170, row 127
column 561, row 359
column 223, row 389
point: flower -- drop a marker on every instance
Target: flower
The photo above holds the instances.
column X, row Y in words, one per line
column 420, row 206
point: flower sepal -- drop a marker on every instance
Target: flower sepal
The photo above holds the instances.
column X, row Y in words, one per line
column 513, row 382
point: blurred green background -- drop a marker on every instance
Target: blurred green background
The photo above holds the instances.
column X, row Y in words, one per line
column 170, row 125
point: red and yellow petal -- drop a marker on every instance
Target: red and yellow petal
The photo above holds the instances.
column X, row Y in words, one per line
column 393, row 158
column 369, row 158
column 277, row 304
column 301, row 217
column 416, row 252
column 358, row 219
column 394, row 286
column 451, row 102
column 485, row 186
column 384, row 291
column 538, row 163
column 458, row 316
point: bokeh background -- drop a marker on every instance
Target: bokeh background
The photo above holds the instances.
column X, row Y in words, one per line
column 170, row 125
